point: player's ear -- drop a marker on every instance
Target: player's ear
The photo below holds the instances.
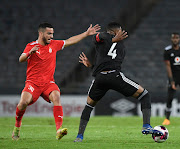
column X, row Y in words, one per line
column 40, row 33
column 111, row 32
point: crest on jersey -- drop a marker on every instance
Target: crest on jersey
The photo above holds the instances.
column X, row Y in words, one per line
column 177, row 59
column 50, row 50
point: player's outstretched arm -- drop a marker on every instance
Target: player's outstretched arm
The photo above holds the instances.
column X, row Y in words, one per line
column 75, row 39
column 84, row 60
column 25, row 56
column 169, row 73
column 120, row 35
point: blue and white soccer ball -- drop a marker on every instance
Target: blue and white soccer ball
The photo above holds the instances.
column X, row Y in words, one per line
column 164, row 137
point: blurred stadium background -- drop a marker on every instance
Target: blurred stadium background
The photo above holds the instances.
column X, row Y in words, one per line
column 149, row 24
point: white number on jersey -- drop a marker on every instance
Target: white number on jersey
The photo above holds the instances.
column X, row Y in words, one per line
column 112, row 51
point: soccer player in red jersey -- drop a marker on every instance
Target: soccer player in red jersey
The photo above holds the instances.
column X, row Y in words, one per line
column 41, row 58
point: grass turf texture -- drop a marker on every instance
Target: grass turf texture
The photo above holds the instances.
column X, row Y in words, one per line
column 101, row 133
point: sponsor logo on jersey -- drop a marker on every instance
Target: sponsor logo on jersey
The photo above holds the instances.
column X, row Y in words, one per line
column 38, row 52
column 50, row 50
column 177, row 60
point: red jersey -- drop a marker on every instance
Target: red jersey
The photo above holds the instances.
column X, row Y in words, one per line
column 41, row 65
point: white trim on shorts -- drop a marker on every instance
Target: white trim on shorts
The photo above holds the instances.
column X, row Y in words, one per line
column 91, row 86
column 129, row 81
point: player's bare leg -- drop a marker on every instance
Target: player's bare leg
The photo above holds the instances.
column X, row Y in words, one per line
column 58, row 114
column 26, row 98
column 85, row 118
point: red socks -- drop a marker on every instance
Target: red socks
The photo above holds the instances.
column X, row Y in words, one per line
column 58, row 116
column 19, row 115
column 57, row 111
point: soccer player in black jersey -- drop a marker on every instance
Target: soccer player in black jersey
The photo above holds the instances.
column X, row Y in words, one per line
column 172, row 62
column 110, row 53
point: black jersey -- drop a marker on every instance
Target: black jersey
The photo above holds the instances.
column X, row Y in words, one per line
column 109, row 55
column 174, row 57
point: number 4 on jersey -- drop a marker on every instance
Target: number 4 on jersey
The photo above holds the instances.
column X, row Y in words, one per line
column 112, row 51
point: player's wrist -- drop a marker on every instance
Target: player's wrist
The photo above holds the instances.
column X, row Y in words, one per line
column 86, row 33
column 28, row 54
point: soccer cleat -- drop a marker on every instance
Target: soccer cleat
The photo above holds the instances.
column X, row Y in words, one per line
column 166, row 122
column 16, row 133
column 147, row 129
column 60, row 133
column 79, row 138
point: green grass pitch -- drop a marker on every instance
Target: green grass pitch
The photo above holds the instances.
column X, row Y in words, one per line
column 101, row 133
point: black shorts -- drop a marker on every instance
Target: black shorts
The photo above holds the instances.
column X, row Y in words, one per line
column 176, row 80
column 114, row 80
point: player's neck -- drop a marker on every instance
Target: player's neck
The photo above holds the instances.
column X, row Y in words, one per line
column 41, row 42
column 176, row 47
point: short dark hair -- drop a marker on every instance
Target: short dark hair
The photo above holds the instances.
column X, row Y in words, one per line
column 44, row 25
column 175, row 33
column 113, row 25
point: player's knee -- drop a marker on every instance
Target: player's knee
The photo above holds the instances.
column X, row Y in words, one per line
column 145, row 100
column 169, row 104
column 23, row 104
column 91, row 102
column 55, row 98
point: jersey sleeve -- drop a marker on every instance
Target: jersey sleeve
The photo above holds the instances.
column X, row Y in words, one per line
column 166, row 55
column 27, row 49
column 60, row 44
column 100, row 37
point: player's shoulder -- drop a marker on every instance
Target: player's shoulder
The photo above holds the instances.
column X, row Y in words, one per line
column 32, row 43
column 56, row 41
column 102, row 34
column 167, row 48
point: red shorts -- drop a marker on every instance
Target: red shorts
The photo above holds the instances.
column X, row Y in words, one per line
column 43, row 91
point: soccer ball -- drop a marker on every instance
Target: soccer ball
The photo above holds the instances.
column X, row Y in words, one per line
column 164, row 137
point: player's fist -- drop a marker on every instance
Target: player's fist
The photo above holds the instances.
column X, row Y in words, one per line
column 34, row 49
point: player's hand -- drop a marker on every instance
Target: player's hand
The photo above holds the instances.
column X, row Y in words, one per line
column 93, row 29
column 84, row 60
column 34, row 49
column 122, row 34
column 173, row 86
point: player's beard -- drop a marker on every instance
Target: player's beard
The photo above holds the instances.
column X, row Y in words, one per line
column 175, row 44
column 45, row 41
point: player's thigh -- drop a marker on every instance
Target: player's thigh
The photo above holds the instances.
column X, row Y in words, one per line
column 31, row 90
column 126, row 86
column 26, row 99
column 97, row 89
column 51, row 92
